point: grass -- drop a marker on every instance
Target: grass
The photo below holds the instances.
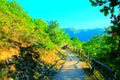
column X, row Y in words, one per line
column 8, row 53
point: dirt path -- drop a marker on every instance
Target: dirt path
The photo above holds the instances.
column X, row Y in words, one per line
column 71, row 70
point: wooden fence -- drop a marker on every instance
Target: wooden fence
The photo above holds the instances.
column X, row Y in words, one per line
column 94, row 64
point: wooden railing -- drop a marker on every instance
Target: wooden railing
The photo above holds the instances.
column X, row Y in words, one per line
column 94, row 64
column 106, row 71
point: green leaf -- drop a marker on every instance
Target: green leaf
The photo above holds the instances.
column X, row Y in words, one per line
column 101, row 10
column 93, row 3
column 112, row 10
column 106, row 13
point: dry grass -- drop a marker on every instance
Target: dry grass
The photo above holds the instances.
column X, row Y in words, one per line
column 5, row 29
column 84, row 65
column 6, row 78
column 51, row 57
column 12, row 67
column 60, row 50
column 8, row 53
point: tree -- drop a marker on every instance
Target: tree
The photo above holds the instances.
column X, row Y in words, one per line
column 76, row 43
column 112, row 42
column 108, row 6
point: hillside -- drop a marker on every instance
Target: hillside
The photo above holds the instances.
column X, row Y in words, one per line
column 84, row 34
column 29, row 48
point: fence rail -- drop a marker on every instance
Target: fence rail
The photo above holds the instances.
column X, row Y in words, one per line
column 106, row 71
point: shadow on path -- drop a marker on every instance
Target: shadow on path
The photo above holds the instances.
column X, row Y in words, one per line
column 71, row 70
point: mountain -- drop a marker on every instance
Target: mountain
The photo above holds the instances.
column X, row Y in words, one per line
column 83, row 34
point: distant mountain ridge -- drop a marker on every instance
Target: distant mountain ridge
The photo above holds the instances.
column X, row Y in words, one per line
column 83, row 34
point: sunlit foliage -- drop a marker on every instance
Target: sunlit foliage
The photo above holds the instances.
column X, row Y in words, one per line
column 23, row 40
column 105, row 48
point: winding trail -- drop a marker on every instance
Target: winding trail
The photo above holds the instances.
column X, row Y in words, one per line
column 71, row 70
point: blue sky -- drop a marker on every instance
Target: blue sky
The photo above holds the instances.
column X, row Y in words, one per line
column 77, row 14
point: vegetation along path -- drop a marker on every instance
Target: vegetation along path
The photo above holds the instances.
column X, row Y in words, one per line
column 72, row 69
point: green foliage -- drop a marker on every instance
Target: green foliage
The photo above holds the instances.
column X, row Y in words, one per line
column 110, row 50
column 30, row 36
column 105, row 48
column 77, row 45
column 57, row 35
column 96, row 45
column 108, row 6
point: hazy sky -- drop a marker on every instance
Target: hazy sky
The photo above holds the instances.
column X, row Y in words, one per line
column 69, row 13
